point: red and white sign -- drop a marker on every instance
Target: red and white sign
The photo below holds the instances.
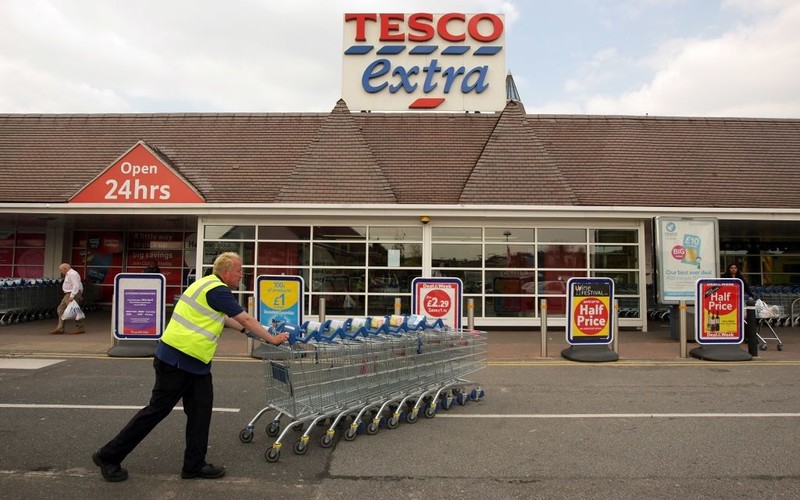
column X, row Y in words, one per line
column 438, row 298
column 139, row 176
column 719, row 317
column 419, row 61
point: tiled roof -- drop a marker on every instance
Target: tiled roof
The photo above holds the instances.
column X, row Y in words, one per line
column 508, row 158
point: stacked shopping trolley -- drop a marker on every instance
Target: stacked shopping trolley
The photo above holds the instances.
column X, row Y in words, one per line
column 373, row 372
column 24, row 299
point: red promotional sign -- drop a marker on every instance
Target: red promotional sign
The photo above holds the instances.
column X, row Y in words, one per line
column 139, row 176
column 719, row 318
column 438, row 298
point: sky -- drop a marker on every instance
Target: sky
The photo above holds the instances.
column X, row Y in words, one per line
column 707, row 58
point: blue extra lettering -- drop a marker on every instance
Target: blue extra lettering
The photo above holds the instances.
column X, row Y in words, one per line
column 373, row 79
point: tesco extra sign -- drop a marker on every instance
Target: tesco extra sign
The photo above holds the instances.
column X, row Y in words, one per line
column 422, row 61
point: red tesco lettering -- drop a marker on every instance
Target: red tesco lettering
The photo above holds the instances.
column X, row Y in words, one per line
column 420, row 27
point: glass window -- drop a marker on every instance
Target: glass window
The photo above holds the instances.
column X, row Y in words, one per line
column 405, row 233
column 625, row 283
column 510, row 256
column 456, row 233
column 614, row 257
column 395, row 255
column 340, row 254
column 337, row 233
column 471, row 280
column 275, row 253
column 284, row 233
column 561, row 235
column 511, row 234
column 227, row 232
column 562, row 256
column 245, row 249
column 613, row 236
column 505, row 282
column 444, row 255
column 514, row 307
column 391, row 281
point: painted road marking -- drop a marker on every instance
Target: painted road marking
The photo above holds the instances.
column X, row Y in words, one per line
column 98, row 407
column 26, row 363
column 627, row 415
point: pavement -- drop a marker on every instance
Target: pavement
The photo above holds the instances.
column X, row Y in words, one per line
column 32, row 338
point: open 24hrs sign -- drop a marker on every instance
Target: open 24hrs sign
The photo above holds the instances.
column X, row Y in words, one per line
column 590, row 318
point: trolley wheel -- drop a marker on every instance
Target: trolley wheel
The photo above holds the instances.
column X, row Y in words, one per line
column 350, row 434
column 272, row 455
column 372, row 428
column 392, row 423
column 273, row 429
column 430, row 411
column 411, row 417
column 763, row 346
column 780, row 347
column 298, row 427
column 326, row 441
column 246, row 436
column 300, row 447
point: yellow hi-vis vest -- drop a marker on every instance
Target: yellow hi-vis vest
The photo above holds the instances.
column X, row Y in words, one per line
column 195, row 328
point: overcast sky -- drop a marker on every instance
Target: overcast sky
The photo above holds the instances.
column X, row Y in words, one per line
column 630, row 57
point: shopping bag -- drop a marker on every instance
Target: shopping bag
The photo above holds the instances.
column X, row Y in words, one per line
column 73, row 311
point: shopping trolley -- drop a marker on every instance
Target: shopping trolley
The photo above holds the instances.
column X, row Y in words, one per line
column 766, row 314
column 374, row 371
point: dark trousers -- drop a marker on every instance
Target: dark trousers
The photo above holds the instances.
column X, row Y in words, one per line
column 171, row 385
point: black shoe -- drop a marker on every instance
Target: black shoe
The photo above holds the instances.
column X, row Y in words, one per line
column 112, row 473
column 208, row 471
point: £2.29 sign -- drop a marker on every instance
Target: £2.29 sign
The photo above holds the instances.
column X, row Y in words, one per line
column 590, row 317
column 438, row 298
column 138, row 176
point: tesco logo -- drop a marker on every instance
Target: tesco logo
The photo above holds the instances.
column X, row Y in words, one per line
column 421, row 27
column 428, row 57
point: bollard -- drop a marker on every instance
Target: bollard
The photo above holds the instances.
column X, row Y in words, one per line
column 250, row 310
column 471, row 314
column 751, row 328
column 615, row 333
column 322, row 310
column 682, row 329
column 398, row 305
column 543, row 308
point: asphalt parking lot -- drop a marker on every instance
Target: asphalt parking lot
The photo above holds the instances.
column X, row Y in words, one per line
column 544, row 430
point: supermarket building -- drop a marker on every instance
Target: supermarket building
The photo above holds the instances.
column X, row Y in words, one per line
column 361, row 203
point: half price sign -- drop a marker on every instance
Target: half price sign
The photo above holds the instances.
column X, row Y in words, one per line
column 590, row 318
column 720, row 305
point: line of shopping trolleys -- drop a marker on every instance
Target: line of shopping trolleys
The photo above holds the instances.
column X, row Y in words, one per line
column 372, row 372
column 24, row 299
column 31, row 299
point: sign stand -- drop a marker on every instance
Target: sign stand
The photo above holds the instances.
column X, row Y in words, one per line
column 590, row 320
column 590, row 353
column 278, row 299
column 139, row 311
column 719, row 320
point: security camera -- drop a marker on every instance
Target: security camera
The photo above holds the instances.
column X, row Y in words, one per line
column 424, row 219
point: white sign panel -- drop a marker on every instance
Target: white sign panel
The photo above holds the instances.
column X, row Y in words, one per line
column 423, row 61
column 686, row 251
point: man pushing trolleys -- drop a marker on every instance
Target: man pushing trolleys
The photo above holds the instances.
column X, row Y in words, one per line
column 182, row 366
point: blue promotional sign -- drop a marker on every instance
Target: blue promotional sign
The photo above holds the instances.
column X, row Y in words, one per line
column 139, row 307
column 590, row 316
column 279, row 299
column 438, row 298
column 719, row 306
